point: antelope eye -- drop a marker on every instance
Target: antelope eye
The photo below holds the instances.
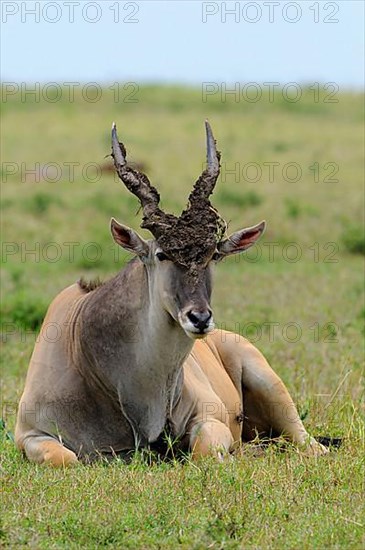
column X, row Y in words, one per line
column 161, row 256
column 216, row 256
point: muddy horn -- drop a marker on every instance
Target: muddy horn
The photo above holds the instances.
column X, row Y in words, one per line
column 206, row 182
column 154, row 219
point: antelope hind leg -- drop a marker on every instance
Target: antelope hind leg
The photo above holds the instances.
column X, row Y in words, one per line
column 44, row 449
column 268, row 405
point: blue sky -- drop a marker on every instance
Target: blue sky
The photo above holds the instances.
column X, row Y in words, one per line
column 183, row 41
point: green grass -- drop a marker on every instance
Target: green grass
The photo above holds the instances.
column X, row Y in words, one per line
column 275, row 500
column 354, row 239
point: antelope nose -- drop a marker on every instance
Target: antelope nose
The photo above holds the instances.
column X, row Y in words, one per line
column 200, row 319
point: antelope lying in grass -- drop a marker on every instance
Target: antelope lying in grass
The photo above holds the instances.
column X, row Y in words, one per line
column 139, row 353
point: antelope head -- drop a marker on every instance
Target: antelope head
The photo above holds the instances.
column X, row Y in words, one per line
column 179, row 258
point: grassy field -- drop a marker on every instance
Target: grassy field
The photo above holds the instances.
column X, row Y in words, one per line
column 298, row 295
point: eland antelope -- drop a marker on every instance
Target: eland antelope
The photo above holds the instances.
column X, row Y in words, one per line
column 139, row 354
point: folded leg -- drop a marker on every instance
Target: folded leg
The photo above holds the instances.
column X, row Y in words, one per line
column 42, row 448
column 268, row 407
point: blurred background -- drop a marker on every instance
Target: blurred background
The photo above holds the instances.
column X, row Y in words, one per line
column 184, row 42
column 282, row 85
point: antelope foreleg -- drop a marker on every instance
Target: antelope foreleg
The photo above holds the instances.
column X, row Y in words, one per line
column 210, row 438
column 44, row 449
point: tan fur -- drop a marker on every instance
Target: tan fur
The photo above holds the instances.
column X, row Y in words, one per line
column 229, row 393
column 118, row 363
column 216, row 371
column 48, row 451
column 55, row 454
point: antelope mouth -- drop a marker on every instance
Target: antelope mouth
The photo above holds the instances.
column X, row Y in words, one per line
column 196, row 331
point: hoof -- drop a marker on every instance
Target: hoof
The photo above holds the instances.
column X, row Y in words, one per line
column 313, row 448
column 58, row 456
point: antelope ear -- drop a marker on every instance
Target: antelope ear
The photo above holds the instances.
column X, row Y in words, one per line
column 128, row 239
column 241, row 240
